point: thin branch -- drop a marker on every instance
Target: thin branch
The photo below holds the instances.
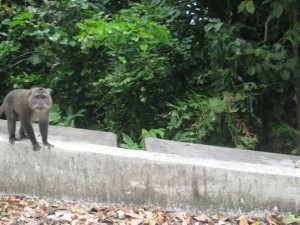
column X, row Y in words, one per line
column 17, row 63
column 26, row 53
column 266, row 29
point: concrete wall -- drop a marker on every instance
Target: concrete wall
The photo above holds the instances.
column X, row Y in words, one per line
column 93, row 172
column 220, row 153
column 68, row 134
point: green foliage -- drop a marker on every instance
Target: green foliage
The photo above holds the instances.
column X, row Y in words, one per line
column 215, row 72
column 128, row 143
column 68, row 120
column 214, row 120
column 241, row 68
column 29, row 80
column 130, row 42
column 38, row 48
column 248, row 5
column 55, row 115
column 138, row 64
column 290, row 219
column 70, row 117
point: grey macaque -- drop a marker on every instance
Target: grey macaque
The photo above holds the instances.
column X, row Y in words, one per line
column 27, row 105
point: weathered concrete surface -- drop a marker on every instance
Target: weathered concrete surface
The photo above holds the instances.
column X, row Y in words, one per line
column 220, row 153
column 87, row 171
column 68, row 134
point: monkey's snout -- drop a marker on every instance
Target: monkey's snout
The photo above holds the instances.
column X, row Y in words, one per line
column 40, row 107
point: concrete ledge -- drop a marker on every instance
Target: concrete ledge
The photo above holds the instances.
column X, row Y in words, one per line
column 91, row 172
column 69, row 134
column 220, row 153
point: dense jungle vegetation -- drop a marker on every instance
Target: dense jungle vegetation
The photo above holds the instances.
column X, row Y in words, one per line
column 215, row 72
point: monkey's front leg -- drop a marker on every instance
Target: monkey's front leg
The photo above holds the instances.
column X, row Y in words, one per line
column 43, row 124
column 29, row 131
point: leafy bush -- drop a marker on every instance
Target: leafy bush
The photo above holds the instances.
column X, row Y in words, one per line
column 139, row 67
column 214, row 120
column 215, row 72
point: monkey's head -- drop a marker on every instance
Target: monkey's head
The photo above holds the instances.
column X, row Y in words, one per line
column 39, row 99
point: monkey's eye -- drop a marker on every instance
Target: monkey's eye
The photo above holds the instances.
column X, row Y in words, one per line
column 40, row 96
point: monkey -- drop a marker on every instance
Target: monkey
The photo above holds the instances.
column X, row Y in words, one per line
column 28, row 105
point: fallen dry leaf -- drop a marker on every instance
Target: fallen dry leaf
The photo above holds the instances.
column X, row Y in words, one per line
column 111, row 213
column 22, row 219
column 221, row 222
column 132, row 214
column 76, row 209
column 243, row 222
column 150, row 215
column 43, row 203
column 19, row 210
column 244, row 217
column 221, row 218
column 93, row 208
column 203, row 218
column 121, row 214
column 136, row 221
column 23, row 203
column 29, row 212
column 179, row 215
column 257, row 223
column 273, row 220
column 13, row 200
column 100, row 215
column 160, row 217
column 153, row 219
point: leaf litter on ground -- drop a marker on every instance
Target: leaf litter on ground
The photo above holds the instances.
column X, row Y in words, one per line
column 19, row 210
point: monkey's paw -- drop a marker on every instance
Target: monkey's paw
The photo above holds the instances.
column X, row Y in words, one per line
column 36, row 147
column 48, row 145
column 13, row 139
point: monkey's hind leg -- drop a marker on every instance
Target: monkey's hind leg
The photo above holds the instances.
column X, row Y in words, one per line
column 22, row 133
column 43, row 124
column 11, row 126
